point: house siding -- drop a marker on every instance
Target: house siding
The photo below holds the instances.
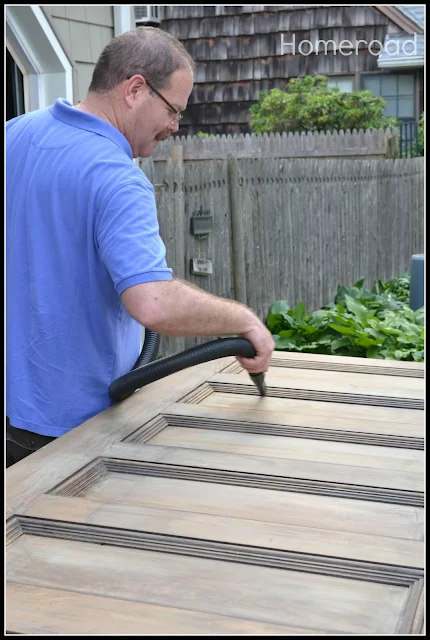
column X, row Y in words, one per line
column 82, row 32
column 238, row 52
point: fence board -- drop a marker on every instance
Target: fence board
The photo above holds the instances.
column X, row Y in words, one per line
column 370, row 143
column 289, row 228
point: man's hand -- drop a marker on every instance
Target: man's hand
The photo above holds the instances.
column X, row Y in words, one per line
column 177, row 308
column 264, row 345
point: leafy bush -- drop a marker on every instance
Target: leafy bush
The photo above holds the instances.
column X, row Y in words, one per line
column 421, row 135
column 368, row 324
column 308, row 104
column 203, row 134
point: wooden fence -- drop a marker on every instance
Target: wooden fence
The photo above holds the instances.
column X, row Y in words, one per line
column 287, row 228
column 371, row 143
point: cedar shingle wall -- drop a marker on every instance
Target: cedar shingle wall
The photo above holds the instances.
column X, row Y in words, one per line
column 238, row 53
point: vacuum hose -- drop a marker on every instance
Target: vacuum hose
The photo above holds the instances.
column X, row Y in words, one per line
column 149, row 349
column 145, row 371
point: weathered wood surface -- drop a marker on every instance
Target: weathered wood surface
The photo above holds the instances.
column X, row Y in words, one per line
column 288, row 228
column 168, row 512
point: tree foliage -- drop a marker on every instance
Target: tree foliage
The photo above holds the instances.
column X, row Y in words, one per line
column 421, row 135
column 308, row 104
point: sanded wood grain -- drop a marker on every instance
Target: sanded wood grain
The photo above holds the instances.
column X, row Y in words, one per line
column 196, row 507
column 208, row 586
column 345, row 382
column 339, row 412
column 351, row 455
column 303, row 539
column 320, row 471
column 42, row 610
column 28, row 478
column 231, row 415
column 287, row 507
column 335, row 386
column 347, row 363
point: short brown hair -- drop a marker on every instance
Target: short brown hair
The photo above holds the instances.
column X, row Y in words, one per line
column 149, row 51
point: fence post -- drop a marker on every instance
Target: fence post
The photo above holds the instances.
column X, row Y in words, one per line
column 178, row 224
column 392, row 144
column 237, row 232
column 179, row 208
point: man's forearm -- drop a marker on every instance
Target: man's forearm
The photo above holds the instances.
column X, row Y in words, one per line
column 177, row 308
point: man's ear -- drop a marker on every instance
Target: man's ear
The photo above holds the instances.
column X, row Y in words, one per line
column 133, row 87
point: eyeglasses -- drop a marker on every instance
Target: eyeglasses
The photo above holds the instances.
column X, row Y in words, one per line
column 178, row 115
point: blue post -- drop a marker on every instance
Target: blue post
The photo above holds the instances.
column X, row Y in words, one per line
column 416, row 293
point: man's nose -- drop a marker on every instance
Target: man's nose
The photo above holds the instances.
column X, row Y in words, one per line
column 174, row 126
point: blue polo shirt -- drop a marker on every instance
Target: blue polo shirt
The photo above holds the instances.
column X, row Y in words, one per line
column 81, row 228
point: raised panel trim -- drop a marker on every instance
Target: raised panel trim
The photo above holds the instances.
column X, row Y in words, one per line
column 198, row 394
column 13, row 530
column 81, row 481
column 146, row 432
column 330, row 566
column 291, row 363
column 245, row 388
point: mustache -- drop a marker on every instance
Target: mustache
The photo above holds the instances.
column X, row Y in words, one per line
column 163, row 135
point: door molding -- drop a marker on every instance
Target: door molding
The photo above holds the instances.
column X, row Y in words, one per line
column 32, row 43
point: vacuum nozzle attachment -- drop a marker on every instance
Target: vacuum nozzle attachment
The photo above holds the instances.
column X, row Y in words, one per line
column 258, row 380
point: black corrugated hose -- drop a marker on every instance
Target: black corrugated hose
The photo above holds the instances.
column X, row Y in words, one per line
column 146, row 371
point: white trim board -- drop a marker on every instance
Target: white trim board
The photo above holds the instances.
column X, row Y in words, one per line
column 37, row 51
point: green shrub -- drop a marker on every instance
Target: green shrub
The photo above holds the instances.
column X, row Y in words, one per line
column 421, row 135
column 368, row 324
column 308, row 104
column 203, row 134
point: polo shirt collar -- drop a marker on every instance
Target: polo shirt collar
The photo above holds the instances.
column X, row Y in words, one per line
column 64, row 111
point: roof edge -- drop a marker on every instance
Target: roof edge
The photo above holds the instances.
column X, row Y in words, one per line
column 406, row 24
column 401, row 63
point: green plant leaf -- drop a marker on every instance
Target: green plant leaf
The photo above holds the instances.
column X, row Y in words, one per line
column 346, row 330
column 287, row 333
column 284, row 343
column 299, row 313
column 373, row 352
column 365, row 341
column 357, row 308
column 275, row 322
column 280, row 306
column 360, row 323
column 339, row 343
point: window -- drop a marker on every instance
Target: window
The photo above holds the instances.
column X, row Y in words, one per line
column 398, row 91
column 147, row 14
column 344, row 83
column 14, row 89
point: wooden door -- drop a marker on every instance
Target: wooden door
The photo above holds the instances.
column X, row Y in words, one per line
column 195, row 506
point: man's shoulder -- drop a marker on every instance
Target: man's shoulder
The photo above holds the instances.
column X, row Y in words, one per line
column 115, row 167
column 20, row 122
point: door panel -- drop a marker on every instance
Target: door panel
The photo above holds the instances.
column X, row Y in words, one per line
column 261, row 594
column 195, row 506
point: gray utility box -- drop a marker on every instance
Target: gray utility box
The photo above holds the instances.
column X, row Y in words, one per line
column 416, row 294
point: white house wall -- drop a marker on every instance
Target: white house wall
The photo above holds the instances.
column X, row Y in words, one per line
column 83, row 32
column 46, row 69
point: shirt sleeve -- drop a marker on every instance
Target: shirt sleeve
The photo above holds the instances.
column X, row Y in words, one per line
column 128, row 239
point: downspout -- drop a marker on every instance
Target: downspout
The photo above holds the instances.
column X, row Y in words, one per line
column 122, row 19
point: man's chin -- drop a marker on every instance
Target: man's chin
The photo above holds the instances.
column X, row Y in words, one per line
column 149, row 148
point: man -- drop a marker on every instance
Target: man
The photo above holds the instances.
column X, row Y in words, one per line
column 85, row 263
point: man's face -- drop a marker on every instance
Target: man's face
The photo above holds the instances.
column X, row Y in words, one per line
column 152, row 120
